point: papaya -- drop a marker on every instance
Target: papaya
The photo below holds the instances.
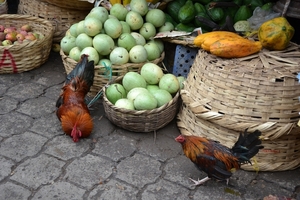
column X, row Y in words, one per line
column 243, row 13
column 187, row 12
column 199, row 8
column 170, row 19
column 276, row 34
column 267, row 6
column 235, row 47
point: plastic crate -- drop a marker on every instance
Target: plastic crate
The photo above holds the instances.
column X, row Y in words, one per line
column 184, row 59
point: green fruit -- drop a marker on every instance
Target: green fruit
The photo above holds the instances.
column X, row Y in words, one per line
column 114, row 92
column 134, row 20
column 170, row 83
column 119, row 11
column 132, row 80
column 215, row 13
column 148, row 30
column 173, row 8
column 125, row 103
column 153, row 51
column 170, row 19
column 126, row 40
column 162, row 97
column 138, row 54
column 152, row 73
column 243, row 13
column 145, row 101
column 156, row 17
column 139, row 6
column 185, row 27
column 103, row 43
column 113, row 28
column 187, row 12
column 119, row 56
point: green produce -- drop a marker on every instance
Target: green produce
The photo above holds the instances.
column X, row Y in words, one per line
column 139, row 6
column 170, row 83
column 114, row 92
column 132, row 94
column 145, row 101
column 201, row 24
column 125, row 103
column 185, row 27
column 162, row 97
column 243, row 13
column 156, row 17
column 182, row 2
column 152, row 73
column 199, row 8
column 267, row 6
column 119, row 56
column 173, row 9
column 138, row 54
column 204, row 2
column 132, row 80
column 215, row 13
column 253, row 3
column 187, row 12
column 238, row 2
column 170, row 19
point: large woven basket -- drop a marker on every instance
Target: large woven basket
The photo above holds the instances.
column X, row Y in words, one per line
column 256, row 92
column 61, row 18
column 101, row 77
column 72, row 4
column 18, row 58
column 142, row 120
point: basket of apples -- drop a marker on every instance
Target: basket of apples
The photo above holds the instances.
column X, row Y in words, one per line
column 25, row 42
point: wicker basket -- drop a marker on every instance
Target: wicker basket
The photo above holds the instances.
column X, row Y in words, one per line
column 71, row 4
column 61, row 18
column 3, row 8
column 277, row 155
column 256, row 92
column 143, row 120
column 101, row 78
column 28, row 55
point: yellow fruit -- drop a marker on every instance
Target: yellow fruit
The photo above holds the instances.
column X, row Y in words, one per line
column 276, row 33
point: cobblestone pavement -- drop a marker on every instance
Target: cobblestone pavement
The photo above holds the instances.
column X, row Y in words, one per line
column 38, row 161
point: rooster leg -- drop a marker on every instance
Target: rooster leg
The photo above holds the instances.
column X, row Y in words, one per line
column 199, row 182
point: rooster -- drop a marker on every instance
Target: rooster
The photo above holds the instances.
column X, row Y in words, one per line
column 72, row 110
column 217, row 160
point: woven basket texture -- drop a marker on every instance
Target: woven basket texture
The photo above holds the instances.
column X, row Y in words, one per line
column 71, row 4
column 277, row 155
column 256, row 92
column 28, row 55
column 290, row 8
column 141, row 120
column 61, row 18
column 101, row 77
column 3, row 8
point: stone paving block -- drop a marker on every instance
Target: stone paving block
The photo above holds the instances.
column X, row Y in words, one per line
column 37, row 107
column 11, row 80
column 3, row 89
column 10, row 191
column 59, row 191
column 216, row 191
column 64, row 148
column 38, row 171
column 113, row 190
column 115, row 147
column 18, row 147
column 53, row 92
column 89, row 170
column 7, row 105
column 49, row 78
column 6, row 166
column 139, row 170
column 47, row 125
column 165, row 190
column 25, row 91
column 14, row 123
column 261, row 188
column 161, row 148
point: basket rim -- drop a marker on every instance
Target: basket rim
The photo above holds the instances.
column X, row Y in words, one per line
column 137, row 112
column 47, row 23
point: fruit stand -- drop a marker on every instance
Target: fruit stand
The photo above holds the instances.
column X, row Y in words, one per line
column 233, row 64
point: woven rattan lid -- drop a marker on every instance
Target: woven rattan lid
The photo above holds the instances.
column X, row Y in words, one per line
column 290, row 8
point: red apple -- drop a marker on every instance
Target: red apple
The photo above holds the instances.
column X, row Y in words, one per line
column 30, row 37
column 12, row 36
column 23, row 32
column 26, row 27
column 2, row 28
column 20, row 37
column 2, row 36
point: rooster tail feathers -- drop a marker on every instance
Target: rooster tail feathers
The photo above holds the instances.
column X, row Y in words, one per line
column 247, row 146
column 84, row 70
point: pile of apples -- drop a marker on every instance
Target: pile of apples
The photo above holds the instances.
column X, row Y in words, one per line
column 13, row 35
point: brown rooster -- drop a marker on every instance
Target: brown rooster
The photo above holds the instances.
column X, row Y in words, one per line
column 72, row 110
column 217, row 160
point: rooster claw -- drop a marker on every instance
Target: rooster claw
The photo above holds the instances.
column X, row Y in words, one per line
column 199, row 182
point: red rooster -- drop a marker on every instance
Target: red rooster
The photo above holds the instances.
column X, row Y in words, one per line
column 72, row 110
column 217, row 160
